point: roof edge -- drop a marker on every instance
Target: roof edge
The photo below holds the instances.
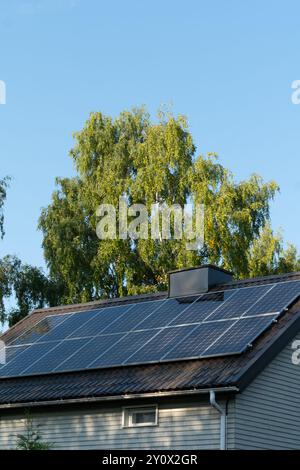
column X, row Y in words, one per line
column 100, row 302
column 131, row 396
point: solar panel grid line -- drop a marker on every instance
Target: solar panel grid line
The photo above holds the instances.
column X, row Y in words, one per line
column 72, row 355
column 164, row 317
column 158, row 343
column 67, row 316
column 91, row 338
column 236, row 321
column 173, row 321
column 16, row 367
column 33, row 326
column 244, row 336
column 107, row 317
column 216, row 309
column 125, row 335
column 197, row 341
column 180, row 342
column 158, row 329
column 91, row 319
column 18, row 354
column 196, row 326
column 219, row 337
column 221, row 320
column 160, row 304
column 41, row 357
column 234, row 290
column 44, row 363
column 135, row 352
column 238, row 318
column 12, row 352
column 86, row 354
column 97, row 311
column 62, row 329
column 258, row 300
column 185, row 309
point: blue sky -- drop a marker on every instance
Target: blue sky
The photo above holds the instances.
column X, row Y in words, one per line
column 228, row 66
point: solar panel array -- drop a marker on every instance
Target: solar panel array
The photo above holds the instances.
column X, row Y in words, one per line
column 211, row 324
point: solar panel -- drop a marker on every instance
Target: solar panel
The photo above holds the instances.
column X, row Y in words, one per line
column 199, row 339
column 39, row 329
column 239, row 336
column 203, row 308
column 71, row 322
column 105, row 317
column 54, row 356
column 214, row 323
column 127, row 345
column 137, row 314
column 275, row 300
column 239, row 303
column 159, row 345
column 25, row 358
column 12, row 351
column 92, row 349
column 168, row 310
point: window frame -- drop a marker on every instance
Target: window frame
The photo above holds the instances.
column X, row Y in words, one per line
column 128, row 411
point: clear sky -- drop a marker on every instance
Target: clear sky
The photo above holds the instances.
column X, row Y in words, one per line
column 227, row 65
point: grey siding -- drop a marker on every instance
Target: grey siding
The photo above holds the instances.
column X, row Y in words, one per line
column 230, row 425
column 181, row 426
column 267, row 412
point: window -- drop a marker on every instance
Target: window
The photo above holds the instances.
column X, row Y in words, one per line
column 140, row 416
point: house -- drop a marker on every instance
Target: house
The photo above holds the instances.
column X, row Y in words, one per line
column 212, row 364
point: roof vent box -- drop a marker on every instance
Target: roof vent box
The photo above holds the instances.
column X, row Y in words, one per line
column 196, row 280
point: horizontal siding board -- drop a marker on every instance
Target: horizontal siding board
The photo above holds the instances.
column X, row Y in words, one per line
column 180, row 427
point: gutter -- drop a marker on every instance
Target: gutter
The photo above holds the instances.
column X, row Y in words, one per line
column 222, row 412
column 130, row 396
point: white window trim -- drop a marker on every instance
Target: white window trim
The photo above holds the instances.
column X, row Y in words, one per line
column 126, row 409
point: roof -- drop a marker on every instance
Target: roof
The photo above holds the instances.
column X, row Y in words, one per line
column 181, row 376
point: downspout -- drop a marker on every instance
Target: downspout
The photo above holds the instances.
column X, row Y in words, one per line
column 222, row 411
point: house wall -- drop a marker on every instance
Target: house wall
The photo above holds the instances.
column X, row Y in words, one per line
column 267, row 412
column 181, row 426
